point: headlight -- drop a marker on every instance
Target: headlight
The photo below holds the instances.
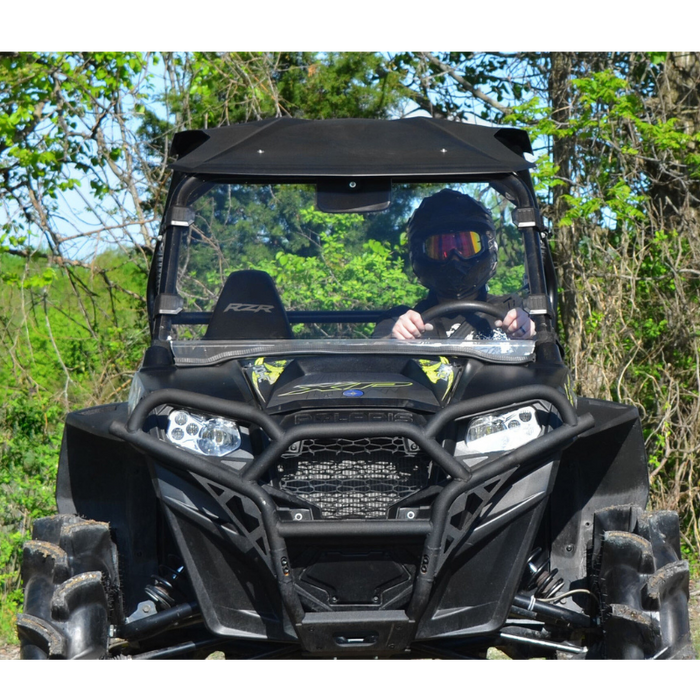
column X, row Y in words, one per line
column 209, row 436
column 503, row 431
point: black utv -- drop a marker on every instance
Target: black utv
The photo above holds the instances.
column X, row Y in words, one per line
column 282, row 484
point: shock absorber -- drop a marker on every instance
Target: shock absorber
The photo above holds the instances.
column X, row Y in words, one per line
column 163, row 589
column 538, row 580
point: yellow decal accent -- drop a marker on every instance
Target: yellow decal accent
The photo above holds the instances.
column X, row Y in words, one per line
column 268, row 372
column 438, row 371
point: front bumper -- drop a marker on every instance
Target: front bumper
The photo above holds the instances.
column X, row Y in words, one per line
column 454, row 572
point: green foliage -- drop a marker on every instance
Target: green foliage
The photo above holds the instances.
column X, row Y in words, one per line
column 57, row 343
column 273, row 227
column 30, row 435
column 213, row 89
column 507, row 280
column 50, row 103
column 328, row 86
column 56, row 353
column 429, row 80
column 617, row 138
column 374, row 278
column 633, row 173
column 59, row 351
column 658, row 55
column 693, row 557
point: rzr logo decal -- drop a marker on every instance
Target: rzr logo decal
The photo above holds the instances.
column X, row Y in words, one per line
column 251, row 308
column 343, row 386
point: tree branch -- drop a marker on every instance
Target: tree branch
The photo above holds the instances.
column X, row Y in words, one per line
column 448, row 70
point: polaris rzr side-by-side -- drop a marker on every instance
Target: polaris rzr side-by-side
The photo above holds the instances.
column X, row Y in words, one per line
column 286, row 482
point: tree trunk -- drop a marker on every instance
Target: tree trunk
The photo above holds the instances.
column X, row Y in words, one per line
column 562, row 154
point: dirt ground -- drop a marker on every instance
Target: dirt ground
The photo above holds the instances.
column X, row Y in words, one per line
column 9, row 651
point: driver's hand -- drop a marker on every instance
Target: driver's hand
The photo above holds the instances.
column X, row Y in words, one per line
column 410, row 325
column 518, row 325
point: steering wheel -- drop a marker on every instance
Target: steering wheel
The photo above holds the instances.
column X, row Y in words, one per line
column 450, row 308
column 454, row 308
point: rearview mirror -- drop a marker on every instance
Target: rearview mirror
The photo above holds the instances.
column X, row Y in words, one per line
column 347, row 195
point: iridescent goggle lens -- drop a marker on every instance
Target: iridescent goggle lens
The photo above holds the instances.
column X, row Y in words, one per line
column 465, row 243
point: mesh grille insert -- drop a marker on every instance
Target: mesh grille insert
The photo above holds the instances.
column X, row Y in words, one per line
column 357, row 478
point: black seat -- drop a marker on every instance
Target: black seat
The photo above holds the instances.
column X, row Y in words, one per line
column 249, row 308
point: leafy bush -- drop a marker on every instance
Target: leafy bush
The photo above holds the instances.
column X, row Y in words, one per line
column 374, row 278
column 30, row 436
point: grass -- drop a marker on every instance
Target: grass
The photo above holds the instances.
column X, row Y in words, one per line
column 8, row 631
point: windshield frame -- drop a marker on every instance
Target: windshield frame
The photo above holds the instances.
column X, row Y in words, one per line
column 165, row 307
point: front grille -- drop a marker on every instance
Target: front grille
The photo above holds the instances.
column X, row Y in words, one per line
column 358, row 478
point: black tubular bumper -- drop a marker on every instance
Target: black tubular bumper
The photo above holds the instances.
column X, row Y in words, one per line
column 396, row 628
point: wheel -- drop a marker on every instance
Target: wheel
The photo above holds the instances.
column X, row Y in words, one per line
column 70, row 579
column 642, row 584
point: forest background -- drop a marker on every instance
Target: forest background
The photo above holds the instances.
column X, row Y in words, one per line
column 84, row 140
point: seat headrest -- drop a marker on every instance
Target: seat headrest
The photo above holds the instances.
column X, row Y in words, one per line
column 249, row 308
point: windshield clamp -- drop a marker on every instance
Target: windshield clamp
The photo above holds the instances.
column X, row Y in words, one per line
column 181, row 216
column 537, row 305
column 528, row 217
column 168, row 304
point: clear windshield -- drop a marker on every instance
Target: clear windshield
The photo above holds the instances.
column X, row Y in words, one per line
column 320, row 261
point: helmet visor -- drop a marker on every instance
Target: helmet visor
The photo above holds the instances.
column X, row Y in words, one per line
column 466, row 244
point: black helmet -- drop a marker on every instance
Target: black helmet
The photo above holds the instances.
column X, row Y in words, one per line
column 452, row 244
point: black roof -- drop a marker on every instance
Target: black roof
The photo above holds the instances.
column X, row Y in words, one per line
column 417, row 146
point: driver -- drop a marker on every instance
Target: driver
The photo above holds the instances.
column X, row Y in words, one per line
column 452, row 247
